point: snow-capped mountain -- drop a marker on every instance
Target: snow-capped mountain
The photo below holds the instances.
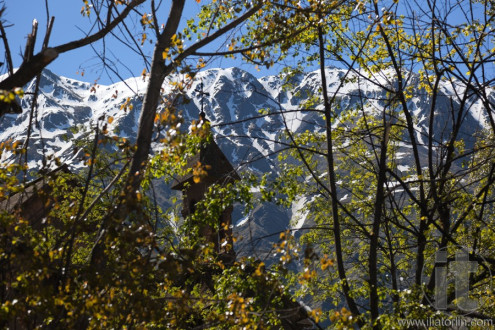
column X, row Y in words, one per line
column 234, row 100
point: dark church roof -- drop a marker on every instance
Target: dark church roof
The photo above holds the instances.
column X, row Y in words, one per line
column 33, row 202
column 217, row 165
column 30, row 190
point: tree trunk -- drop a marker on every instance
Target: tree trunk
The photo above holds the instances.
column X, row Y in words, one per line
column 150, row 103
column 333, row 186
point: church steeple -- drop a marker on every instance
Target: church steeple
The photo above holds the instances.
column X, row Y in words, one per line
column 202, row 94
column 218, row 171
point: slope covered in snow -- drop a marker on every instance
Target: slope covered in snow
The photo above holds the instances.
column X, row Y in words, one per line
column 235, row 98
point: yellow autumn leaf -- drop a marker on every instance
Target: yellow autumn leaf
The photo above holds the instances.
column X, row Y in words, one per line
column 259, row 270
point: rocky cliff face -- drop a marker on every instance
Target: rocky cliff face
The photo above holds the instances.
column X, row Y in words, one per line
column 234, row 97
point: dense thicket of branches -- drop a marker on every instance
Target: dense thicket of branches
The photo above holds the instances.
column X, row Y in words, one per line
column 389, row 220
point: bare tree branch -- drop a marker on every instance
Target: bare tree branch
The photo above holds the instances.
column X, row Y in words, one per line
column 32, row 66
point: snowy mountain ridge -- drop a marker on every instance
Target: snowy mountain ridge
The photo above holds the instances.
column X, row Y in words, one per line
column 235, row 96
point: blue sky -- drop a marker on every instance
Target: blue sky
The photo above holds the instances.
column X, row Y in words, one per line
column 69, row 25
